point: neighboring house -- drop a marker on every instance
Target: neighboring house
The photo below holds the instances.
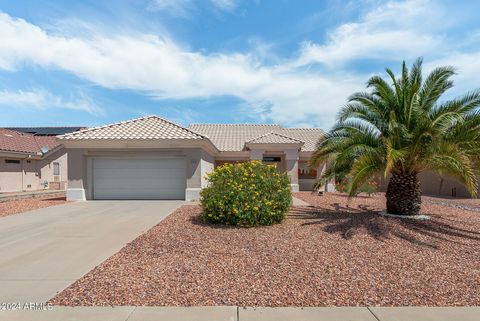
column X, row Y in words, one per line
column 153, row 158
column 29, row 162
column 46, row 131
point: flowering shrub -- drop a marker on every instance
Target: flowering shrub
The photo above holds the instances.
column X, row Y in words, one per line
column 246, row 194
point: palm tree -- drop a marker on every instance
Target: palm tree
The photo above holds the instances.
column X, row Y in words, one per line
column 401, row 129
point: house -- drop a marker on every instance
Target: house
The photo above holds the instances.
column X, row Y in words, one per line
column 29, row 162
column 154, row 158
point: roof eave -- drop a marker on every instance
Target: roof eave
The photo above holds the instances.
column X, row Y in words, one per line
column 139, row 143
column 17, row 154
column 274, row 146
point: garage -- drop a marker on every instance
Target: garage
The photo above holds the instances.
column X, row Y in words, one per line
column 131, row 178
column 143, row 158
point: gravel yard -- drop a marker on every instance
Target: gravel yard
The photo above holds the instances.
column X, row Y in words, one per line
column 23, row 205
column 461, row 203
column 334, row 253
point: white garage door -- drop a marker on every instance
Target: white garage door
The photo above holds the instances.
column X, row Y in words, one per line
column 139, row 178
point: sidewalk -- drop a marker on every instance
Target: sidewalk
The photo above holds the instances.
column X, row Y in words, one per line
column 299, row 202
column 226, row 313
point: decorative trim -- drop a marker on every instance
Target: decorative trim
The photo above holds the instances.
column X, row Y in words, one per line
column 76, row 194
column 192, row 194
column 420, row 217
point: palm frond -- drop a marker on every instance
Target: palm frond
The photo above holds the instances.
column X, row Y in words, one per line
column 452, row 161
column 364, row 168
column 436, row 84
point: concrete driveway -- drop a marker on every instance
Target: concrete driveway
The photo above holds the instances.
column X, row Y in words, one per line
column 45, row 250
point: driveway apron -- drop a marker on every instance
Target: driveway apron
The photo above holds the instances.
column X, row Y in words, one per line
column 43, row 251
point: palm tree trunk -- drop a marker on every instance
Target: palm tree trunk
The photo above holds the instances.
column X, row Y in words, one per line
column 403, row 194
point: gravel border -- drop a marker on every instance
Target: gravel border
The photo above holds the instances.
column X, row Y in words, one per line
column 420, row 217
column 335, row 252
column 12, row 207
column 454, row 205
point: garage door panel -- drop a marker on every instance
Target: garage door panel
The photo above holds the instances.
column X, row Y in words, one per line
column 139, row 178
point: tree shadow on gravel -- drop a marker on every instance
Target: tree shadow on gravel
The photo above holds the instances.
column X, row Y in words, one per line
column 198, row 220
column 348, row 221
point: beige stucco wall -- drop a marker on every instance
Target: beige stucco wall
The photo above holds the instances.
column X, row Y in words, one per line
column 10, row 177
column 291, row 168
column 46, row 166
column 207, row 165
column 30, row 174
column 430, row 184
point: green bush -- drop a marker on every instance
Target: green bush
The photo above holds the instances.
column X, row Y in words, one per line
column 246, row 194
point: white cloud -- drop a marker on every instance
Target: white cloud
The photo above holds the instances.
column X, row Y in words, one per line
column 396, row 30
column 177, row 8
column 225, row 5
column 42, row 99
column 161, row 68
column 288, row 92
column 184, row 8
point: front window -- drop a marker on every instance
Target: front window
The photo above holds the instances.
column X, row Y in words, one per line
column 56, row 168
column 273, row 160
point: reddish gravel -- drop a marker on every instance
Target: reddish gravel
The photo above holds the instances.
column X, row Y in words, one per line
column 19, row 206
column 467, row 203
column 335, row 253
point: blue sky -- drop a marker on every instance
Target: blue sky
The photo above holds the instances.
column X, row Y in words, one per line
column 217, row 61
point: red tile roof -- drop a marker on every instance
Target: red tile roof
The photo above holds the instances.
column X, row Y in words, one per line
column 14, row 141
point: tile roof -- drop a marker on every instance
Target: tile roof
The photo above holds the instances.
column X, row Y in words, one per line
column 274, row 138
column 13, row 141
column 232, row 137
column 308, row 135
column 149, row 127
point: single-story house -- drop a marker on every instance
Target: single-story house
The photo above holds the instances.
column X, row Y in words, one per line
column 154, row 158
column 29, row 162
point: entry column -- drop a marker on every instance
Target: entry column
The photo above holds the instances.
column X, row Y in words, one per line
column 291, row 163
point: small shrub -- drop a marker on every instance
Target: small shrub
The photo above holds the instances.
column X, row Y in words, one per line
column 246, row 194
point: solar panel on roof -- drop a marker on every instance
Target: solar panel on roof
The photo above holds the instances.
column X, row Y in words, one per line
column 46, row 131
